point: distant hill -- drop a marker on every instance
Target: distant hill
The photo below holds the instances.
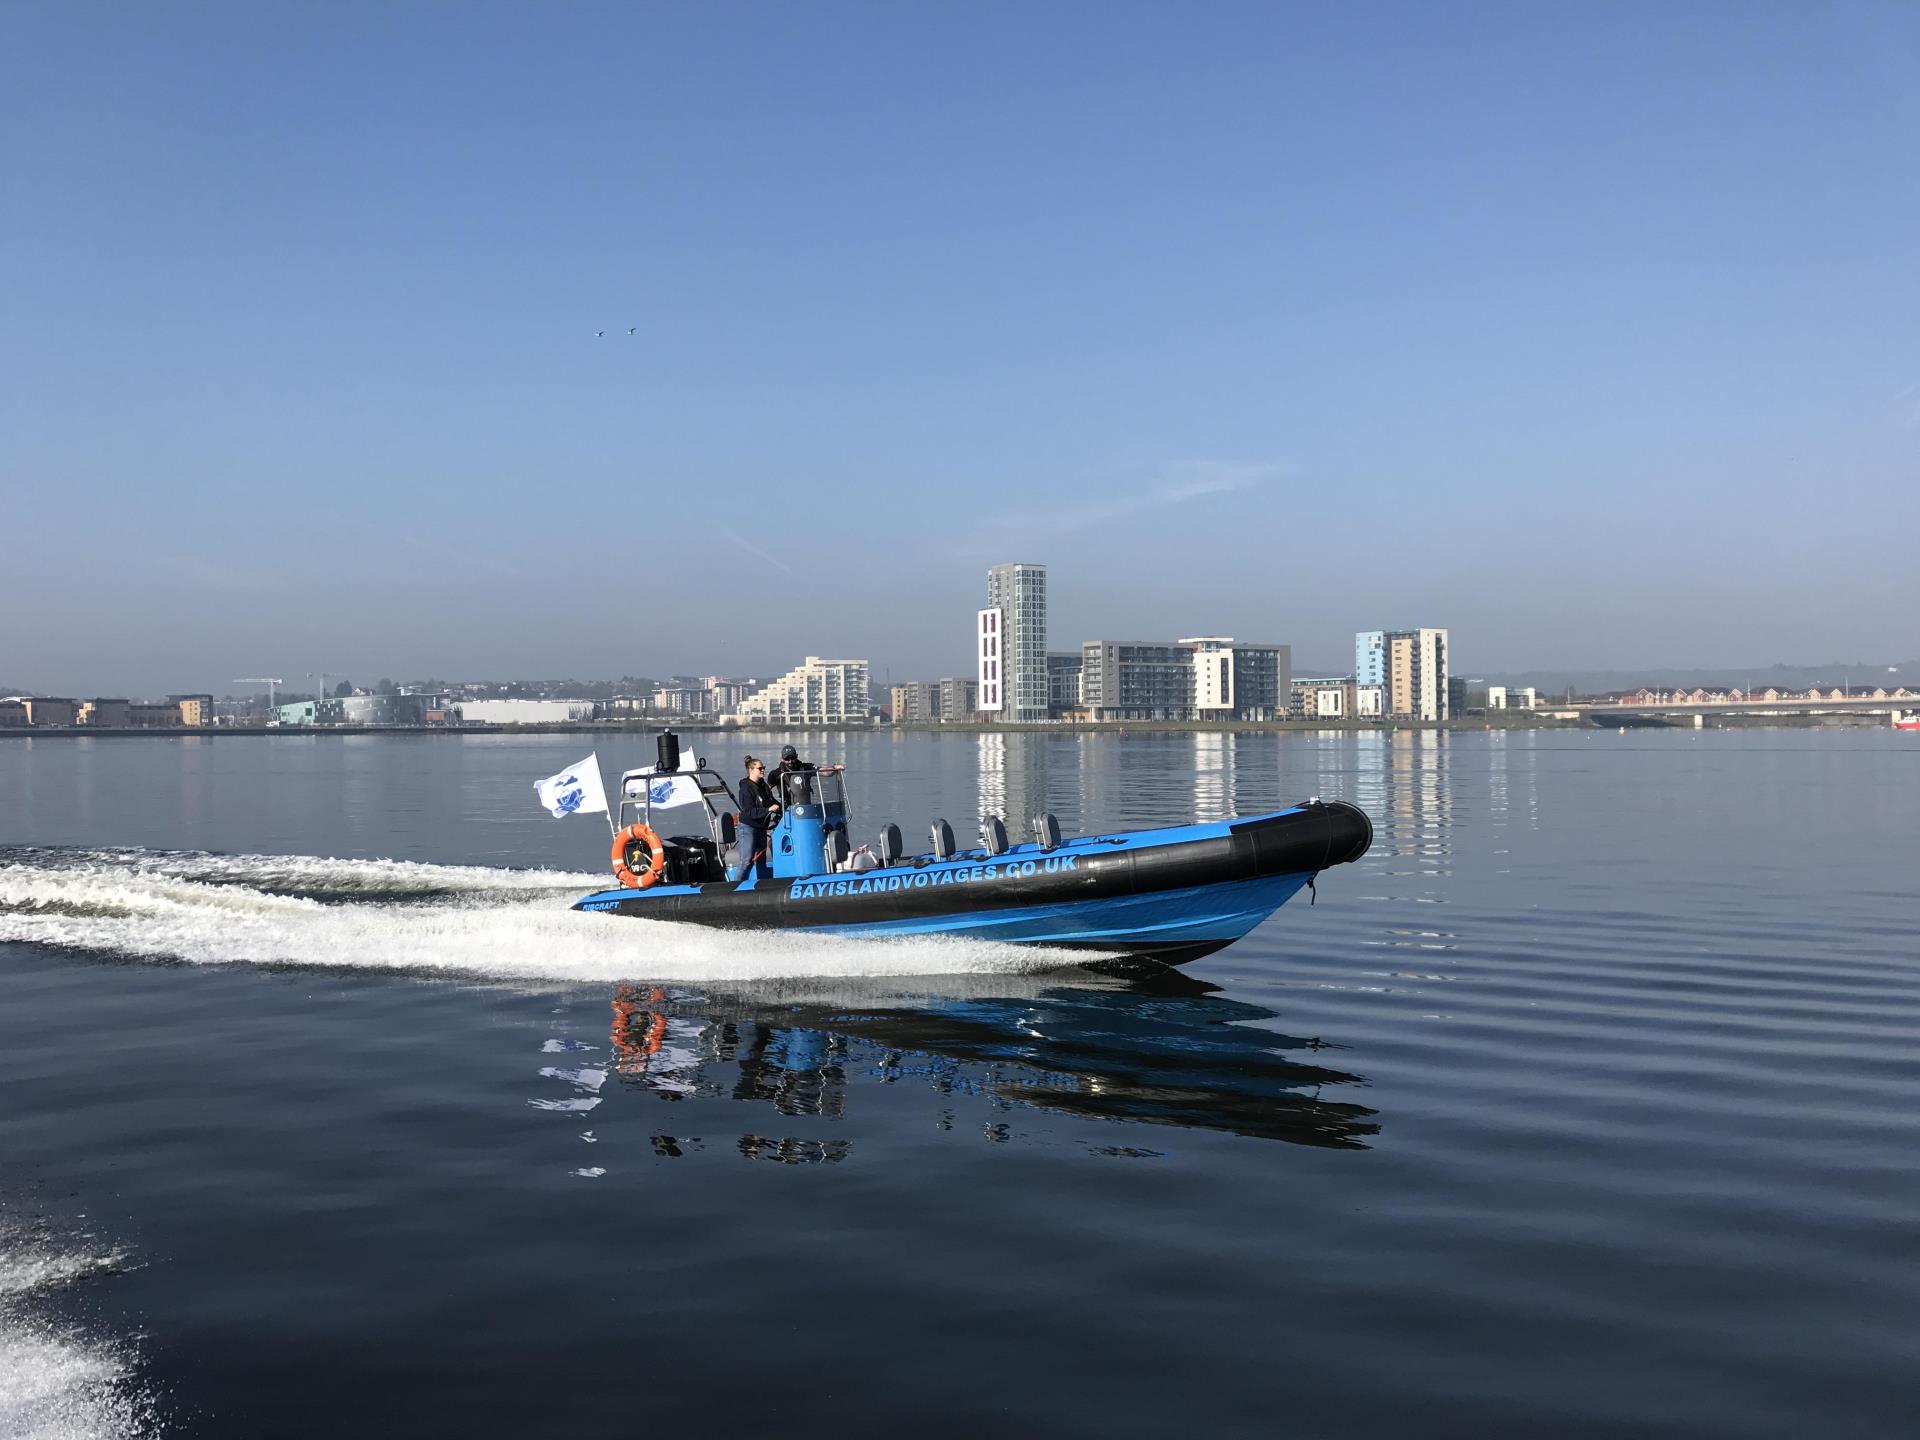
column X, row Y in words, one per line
column 1780, row 677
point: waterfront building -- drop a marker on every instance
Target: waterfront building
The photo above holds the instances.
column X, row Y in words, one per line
column 408, row 707
column 1417, row 674
column 154, row 715
column 916, row 703
column 194, row 709
column 1010, row 639
column 527, row 712
column 814, row 692
column 1063, row 682
column 691, row 701
column 1323, row 697
column 728, row 691
column 988, row 660
column 1209, row 677
column 1135, row 680
column 104, row 714
column 13, row 714
column 1464, row 694
column 1239, row 680
column 1370, row 658
column 701, row 697
column 412, row 707
column 45, row 710
column 959, row 699
column 1409, row 666
column 1521, row 697
column 1369, row 701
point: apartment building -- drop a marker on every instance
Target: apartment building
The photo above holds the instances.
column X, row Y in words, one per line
column 1211, row 677
column 105, row 714
column 916, row 703
column 1409, row 667
column 959, row 698
column 814, row 692
column 1010, row 637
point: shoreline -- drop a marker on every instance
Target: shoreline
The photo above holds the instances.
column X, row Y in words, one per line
column 1519, row 720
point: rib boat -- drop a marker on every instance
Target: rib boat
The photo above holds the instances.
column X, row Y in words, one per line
column 1169, row 895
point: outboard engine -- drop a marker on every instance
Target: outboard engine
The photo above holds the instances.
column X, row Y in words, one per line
column 667, row 752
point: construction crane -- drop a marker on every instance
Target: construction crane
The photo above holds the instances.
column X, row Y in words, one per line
column 271, row 684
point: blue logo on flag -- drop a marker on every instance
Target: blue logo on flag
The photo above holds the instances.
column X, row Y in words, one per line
column 568, row 801
column 660, row 792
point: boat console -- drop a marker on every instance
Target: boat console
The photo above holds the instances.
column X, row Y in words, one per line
column 811, row 836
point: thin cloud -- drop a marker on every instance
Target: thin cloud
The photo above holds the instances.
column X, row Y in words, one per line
column 207, row 572
column 472, row 558
column 1181, row 481
column 1906, row 408
column 752, row 549
column 438, row 549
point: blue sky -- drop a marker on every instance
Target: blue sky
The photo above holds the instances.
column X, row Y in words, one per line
column 1592, row 334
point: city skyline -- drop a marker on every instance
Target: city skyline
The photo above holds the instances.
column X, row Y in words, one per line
column 1396, row 675
column 1591, row 332
column 1551, row 677
column 1007, row 583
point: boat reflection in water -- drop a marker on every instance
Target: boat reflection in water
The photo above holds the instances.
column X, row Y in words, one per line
column 1161, row 1053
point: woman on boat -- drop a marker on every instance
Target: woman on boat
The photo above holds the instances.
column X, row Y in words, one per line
column 758, row 810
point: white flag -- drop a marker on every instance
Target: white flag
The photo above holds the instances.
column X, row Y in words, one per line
column 574, row 791
column 663, row 790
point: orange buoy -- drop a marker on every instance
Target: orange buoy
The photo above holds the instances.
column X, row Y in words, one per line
column 626, row 847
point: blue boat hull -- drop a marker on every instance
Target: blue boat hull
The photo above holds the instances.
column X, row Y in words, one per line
column 1170, row 895
column 1169, row 921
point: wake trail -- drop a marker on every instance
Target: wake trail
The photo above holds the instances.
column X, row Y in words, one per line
column 409, row 916
column 56, row 1383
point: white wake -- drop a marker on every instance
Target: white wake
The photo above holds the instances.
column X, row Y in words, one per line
column 56, row 1384
column 468, row 921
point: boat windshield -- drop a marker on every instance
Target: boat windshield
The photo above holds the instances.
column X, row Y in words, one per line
column 813, row 787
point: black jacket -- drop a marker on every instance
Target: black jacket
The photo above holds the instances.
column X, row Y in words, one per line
column 756, row 801
column 785, row 768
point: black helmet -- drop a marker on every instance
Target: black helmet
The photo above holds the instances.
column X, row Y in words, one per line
column 787, row 752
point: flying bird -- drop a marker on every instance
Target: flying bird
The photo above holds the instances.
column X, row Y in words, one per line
column 632, row 328
column 598, row 334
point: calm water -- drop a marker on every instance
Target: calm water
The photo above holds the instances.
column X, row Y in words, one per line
column 1585, row 1105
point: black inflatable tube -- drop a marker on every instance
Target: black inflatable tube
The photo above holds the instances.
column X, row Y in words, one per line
column 1302, row 841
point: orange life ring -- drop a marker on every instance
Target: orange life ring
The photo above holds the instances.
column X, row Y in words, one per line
column 623, row 871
